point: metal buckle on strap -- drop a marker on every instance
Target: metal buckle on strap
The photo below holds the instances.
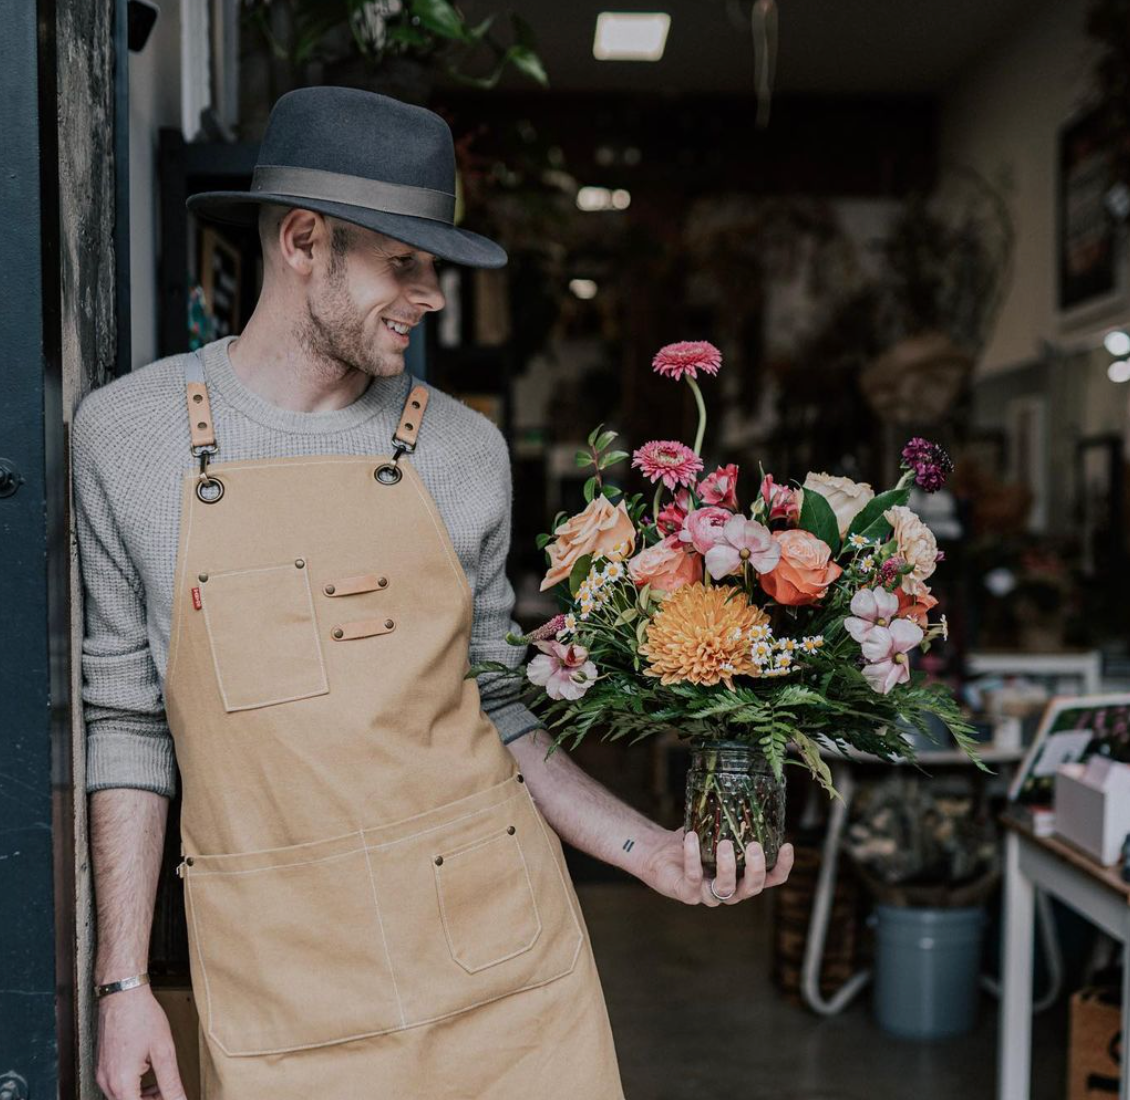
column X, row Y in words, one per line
column 389, row 473
column 209, row 489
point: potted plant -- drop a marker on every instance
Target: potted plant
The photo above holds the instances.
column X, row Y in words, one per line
column 744, row 629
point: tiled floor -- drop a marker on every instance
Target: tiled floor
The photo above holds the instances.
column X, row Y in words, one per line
column 697, row 1018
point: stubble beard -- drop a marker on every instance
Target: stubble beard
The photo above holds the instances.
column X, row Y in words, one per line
column 334, row 333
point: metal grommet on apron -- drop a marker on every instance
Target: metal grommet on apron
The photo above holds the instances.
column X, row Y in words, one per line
column 372, row 896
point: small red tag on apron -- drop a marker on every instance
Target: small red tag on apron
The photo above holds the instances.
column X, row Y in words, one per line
column 196, row 598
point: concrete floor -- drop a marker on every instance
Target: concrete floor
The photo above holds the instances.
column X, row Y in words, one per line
column 696, row 1017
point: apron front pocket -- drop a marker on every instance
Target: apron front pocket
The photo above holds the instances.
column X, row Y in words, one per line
column 290, row 948
column 486, row 901
column 475, row 908
column 263, row 635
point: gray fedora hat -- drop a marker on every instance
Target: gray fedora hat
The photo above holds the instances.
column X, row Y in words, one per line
column 362, row 157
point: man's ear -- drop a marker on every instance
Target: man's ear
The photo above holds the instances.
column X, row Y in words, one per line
column 300, row 233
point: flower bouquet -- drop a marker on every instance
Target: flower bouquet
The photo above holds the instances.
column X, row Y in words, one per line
column 748, row 628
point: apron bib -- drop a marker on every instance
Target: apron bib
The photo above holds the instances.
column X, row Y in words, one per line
column 376, row 907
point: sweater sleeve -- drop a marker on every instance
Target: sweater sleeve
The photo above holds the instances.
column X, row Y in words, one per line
column 128, row 742
column 494, row 604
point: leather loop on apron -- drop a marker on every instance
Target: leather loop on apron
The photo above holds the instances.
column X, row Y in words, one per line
column 375, row 904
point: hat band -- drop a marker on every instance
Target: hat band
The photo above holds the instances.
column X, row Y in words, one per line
column 391, row 198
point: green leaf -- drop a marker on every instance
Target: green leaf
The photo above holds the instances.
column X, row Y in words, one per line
column 590, row 489
column 873, row 510
column 626, row 616
column 528, row 63
column 810, row 753
column 605, row 439
column 583, row 458
column 404, row 34
column 440, row 18
column 479, row 32
column 523, row 32
column 816, row 516
column 611, row 459
column 578, row 573
column 593, row 434
column 543, row 541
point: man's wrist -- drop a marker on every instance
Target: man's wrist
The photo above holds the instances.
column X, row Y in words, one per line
column 120, row 985
column 636, row 855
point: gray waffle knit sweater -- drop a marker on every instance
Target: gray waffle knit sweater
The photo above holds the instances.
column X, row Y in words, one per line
column 130, row 445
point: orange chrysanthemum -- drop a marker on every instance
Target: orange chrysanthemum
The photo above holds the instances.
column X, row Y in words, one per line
column 702, row 635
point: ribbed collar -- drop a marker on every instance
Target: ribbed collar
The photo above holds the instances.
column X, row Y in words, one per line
column 382, row 395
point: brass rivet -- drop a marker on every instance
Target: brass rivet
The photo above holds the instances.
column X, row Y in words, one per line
column 521, row 778
column 415, row 404
column 389, row 624
column 198, row 397
column 511, row 830
column 190, row 861
column 203, row 576
column 439, row 861
column 299, row 562
column 329, row 590
column 407, row 427
column 338, row 632
column 202, row 425
column 383, row 582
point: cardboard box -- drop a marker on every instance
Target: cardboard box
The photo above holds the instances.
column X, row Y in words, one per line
column 1092, row 807
column 1094, row 1054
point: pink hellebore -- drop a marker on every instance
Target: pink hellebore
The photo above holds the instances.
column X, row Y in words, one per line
column 886, row 649
column 703, row 527
column 872, row 609
column 744, row 541
column 721, row 487
column 564, row 670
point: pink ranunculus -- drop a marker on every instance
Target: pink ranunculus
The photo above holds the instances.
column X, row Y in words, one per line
column 703, row 527
column 744, row 541
column 885, row 649
column 872, row 609
column 670, row 518
column 687, row 357
column 781, row 501
column 563, row 669
column 668, row 461
column 666, row 566
column 721, row 487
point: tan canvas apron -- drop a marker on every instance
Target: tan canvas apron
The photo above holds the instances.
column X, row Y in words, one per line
column 376, row 907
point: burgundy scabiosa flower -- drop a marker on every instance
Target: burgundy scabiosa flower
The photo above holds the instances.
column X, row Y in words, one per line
column 687, row 357
column 929, row 461
column 891, row 570
column 668, row 460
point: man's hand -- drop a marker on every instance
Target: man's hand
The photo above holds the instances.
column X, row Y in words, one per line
column 134, row 1037
column 674, row 868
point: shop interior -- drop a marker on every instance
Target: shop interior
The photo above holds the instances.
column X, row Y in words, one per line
column 894, row 220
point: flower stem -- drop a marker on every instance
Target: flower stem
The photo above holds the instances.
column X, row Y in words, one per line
column 655, row 509
column 701, row 414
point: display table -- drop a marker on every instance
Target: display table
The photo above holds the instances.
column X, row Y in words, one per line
column 1096, row 893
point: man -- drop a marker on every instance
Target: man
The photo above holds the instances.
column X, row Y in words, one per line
column 375, row 906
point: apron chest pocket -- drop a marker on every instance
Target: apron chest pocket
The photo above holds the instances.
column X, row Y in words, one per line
column 487, row 902
column 263, row 635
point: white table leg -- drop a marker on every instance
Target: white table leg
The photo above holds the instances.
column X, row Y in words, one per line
column 1014, row 1044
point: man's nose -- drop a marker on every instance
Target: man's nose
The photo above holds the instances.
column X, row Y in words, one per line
column 426, row 294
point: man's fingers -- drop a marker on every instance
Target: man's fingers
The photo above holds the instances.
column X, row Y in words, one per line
column 782, row 868
column 169, row 1085
column 726, row 880
column 753, row 881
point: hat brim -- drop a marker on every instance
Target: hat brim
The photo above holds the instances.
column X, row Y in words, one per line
column 449, row 242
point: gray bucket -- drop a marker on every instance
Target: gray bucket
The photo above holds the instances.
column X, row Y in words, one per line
column 927, row 970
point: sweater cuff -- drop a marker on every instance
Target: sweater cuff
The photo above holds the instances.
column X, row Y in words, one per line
column 117, row 758
column 514, row 720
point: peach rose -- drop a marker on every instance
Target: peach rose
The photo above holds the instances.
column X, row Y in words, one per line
column 804, row 572
column 599, row 529
column 916, row 607
column 916, row 545
column 665, row 566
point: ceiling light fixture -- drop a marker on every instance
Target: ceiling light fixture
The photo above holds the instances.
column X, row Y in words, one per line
column 585, row 289
column 1119, row 370
column 593, row 199
column 1117, row 342
column 630, row 36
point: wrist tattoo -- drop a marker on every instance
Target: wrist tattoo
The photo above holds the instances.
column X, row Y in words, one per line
column 629, row 844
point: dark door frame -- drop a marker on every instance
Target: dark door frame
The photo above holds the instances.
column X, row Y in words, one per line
column 36, row 795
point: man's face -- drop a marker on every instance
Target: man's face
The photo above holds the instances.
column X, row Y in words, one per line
column 369, row 284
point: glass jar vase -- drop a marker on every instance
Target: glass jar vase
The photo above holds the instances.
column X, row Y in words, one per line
column 732, row 794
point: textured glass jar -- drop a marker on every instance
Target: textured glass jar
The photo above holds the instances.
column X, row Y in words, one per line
column 732, row 794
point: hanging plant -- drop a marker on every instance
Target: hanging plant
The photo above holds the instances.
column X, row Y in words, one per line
column 431, row 32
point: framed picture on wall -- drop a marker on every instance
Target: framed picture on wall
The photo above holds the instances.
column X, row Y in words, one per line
column 221, row 273
column 1086, row 235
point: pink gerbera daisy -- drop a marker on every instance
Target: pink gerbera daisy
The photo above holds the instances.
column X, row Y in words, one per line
column 687, row 357
column 674, row 462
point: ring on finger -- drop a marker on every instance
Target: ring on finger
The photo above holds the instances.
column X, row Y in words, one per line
column 721, row 897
